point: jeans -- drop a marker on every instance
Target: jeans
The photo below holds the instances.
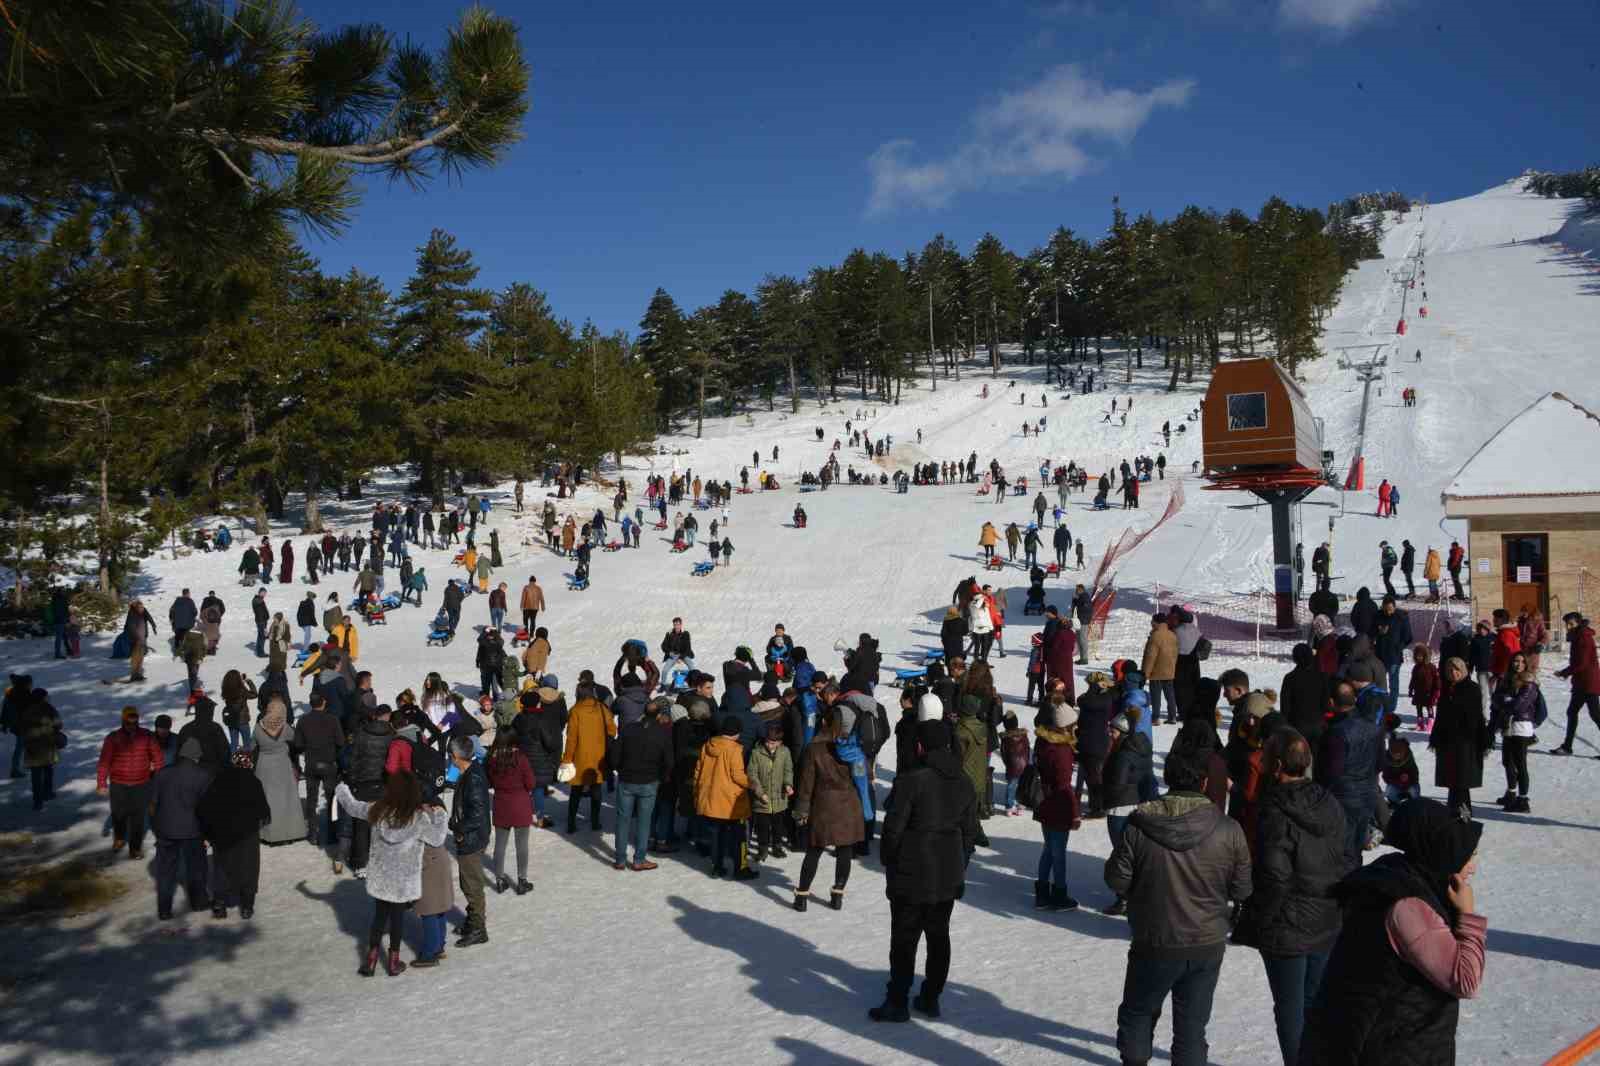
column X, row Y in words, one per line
column 1157, row 688
column 497, row 617
column 193, row 854
column 433, row 929
column 261, row 639
column 1395, row 795
column 1192, row 983
column 1294, row 981
column 1011, row 791
column 1053, row 859
column 908, row 924
column 636, row 806
column 1356, row 821
column 61, row 639
column 305, row 635
column 1394, row 687
column 16, row 755
column 664, row 819
column 538, row 805
column 1575, row 708
column 489, row 681
column 238, row 738
column 725, row 837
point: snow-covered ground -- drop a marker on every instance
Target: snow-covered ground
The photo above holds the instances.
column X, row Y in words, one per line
column 652, row 968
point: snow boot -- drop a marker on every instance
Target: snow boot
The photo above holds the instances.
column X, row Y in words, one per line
column 1041, row 894
column 1519, row 806
column 395, row 967
column 1507, row 800
column 1561, row 750
column 890, row 1011
column 926, row 1004
column 1060, row 901
column 370, row 965
column 1117, row 909
column 836, row 898
column 800, row 899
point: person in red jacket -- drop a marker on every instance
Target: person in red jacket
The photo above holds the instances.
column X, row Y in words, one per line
column 1054, row 754
column 1453, row 563
column 1060, row 644
column 129, row 758
column 1507, row 642
column 1583, row 668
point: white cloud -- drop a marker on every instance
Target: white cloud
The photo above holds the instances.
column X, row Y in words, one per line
column 1339, row 15
column 1036, row 132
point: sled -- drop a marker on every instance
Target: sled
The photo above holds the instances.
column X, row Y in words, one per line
column 302, row 657
column 611, row 546
column 375, row 616
column 702, row 569
column 460, row 557
column 577, row 584
column 660, row 525
column 521, row 636
column 933, row 657
column 800, row 523
column 909, row 673
column 678, row 682
column 1053, row 570
column 996, row 563
column 680, row 546
column 391, row 602
column 439, row 637
column 1101, row 505
column 808, row 488
column 983, row 490
column 745, row 490
column 702, row 505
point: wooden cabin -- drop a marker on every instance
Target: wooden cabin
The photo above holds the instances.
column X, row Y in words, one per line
column 1256, row 419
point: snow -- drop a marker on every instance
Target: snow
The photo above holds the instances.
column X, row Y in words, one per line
column 1502, row 468
column 656, row 967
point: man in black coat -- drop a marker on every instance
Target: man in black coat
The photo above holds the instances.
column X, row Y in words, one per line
column 319, row 736
column 1303, row 696
column 183, row 614
column 258, row 607
column 928, row 836
column 643, row 760
column 469, row 821
column 173, row 804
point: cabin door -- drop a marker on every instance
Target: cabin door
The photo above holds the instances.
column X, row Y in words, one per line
column 1526, row 573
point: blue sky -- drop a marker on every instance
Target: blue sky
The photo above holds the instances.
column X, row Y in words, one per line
column 700, row 146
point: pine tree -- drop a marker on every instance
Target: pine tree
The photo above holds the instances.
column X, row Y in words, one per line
column 663, row 347
column 780, row 325
column 450, row 391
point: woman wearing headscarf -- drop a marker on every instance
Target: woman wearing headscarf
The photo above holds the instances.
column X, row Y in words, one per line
column 232, row 811
column 827, row 804
column 286, row 573
column 276, row 772
column 1460, row 738
column 1411, row 947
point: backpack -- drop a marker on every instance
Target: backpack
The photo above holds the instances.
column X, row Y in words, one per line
column 1030, row 788
column 429, row 766
column 505, row 713
column 1202, row 649
column 872, row 730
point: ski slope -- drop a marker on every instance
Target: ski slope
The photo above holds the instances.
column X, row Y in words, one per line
column 683, row 966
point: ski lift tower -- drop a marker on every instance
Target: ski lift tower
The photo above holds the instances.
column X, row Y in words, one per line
column 1258, row 435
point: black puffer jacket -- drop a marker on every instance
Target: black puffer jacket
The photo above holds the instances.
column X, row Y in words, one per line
column 542, row 739
column 1096, row 708
column 1179, row 866
column 930, row 828
column 213, row 741
column 469, row 811
column 1375, row 1009
column 1299, row 858
column 368, row 754
column 1303, row 699
column 233, row 807
column 1126, row 767
column 176, row 798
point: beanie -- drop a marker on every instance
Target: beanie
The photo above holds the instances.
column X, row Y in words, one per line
column 1064, row 716
column 930, row 708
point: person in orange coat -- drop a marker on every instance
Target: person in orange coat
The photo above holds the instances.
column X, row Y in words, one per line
column 588, row 729
column 722, row 794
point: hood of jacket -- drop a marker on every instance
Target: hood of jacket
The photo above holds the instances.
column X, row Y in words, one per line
column 945, row 763
column 1052, row 735
column 1309, row 806
column 394, row 836
column 1178, row 821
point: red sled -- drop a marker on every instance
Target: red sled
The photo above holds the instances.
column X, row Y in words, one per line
column 983, row 491
column 519, row 637
column 613, row 546
column 995, row 563
column 460, row 558
column 745, row 490
column 680, row 546
column 660, row 525
column 1053, row 570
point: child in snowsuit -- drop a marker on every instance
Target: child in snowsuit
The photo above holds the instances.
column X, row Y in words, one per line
column 1016, row 753
column 771, row 772
column 1401, row 781
column 1424, row 688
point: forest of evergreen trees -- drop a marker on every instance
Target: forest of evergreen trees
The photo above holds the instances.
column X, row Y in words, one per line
column 1583, row 183
column 1194, row 286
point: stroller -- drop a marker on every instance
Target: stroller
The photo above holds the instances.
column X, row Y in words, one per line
column 439, row 633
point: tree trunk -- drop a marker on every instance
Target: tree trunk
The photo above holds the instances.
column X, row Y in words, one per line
column 103, row 548
column 794, row 387
column 700, row 410
column 313, row 516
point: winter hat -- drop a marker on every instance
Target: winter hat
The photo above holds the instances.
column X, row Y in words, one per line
column 529, row 699
column 933, row 735
column 930, row 708
column 1064, row 716
column 731, row 726
column 1258, row 704
column 130, row 714
column 1120, row 724
column 658, row 706
column 1098, row 679
column 190, row 749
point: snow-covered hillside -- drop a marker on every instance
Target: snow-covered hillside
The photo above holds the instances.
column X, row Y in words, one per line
column 680, row 965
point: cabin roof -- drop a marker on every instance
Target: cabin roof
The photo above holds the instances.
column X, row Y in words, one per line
column 1545, row 450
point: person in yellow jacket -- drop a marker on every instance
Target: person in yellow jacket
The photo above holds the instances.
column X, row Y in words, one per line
column 344, row 636
column 988, row 537
column 722, row 795
column 1431, row 568
column 588, row 729
column 469, row 562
